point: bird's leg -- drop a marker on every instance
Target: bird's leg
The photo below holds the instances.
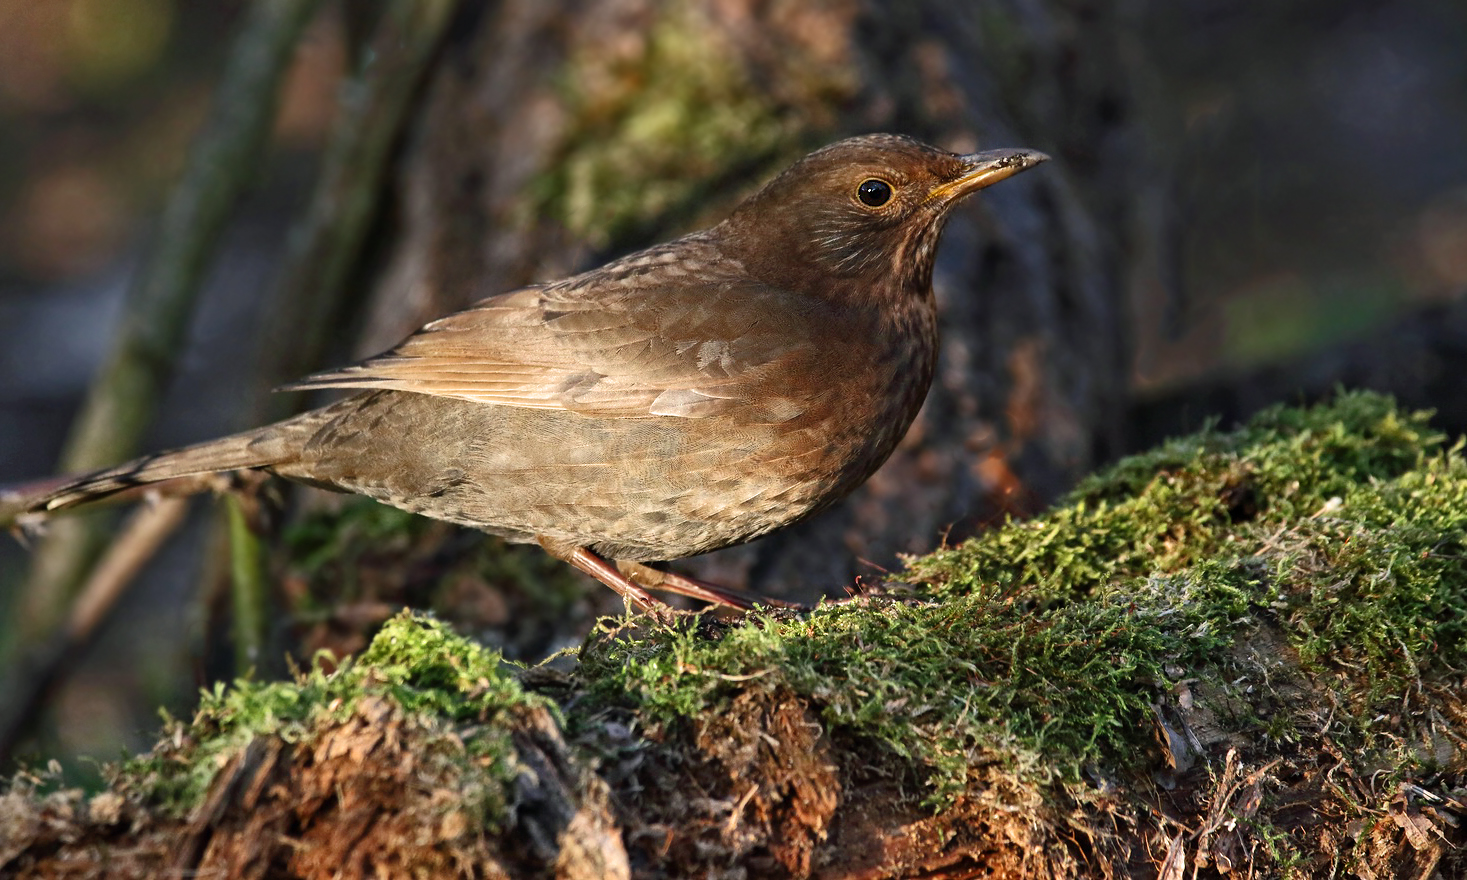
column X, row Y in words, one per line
column 657, row 579
column 603, row 571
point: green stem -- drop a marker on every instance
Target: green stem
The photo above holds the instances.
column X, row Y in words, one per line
column 248, row 588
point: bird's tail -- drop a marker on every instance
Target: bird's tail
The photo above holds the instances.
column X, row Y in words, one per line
column 261, row 448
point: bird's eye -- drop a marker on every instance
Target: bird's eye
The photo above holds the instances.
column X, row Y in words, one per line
column 874, row 192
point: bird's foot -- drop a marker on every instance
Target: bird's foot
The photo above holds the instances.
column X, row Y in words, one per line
column 682, row 585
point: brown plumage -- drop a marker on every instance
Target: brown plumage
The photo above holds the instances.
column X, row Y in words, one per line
column 687, row 397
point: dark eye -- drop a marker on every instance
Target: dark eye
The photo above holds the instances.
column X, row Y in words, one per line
column 874, row 192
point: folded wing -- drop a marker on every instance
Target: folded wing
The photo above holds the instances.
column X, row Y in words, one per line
column 692, row 351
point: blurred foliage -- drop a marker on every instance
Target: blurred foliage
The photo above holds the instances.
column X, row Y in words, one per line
column 1317, row 186
column 346, row 567
column 99, row 100
column 109, row 42
column 666, row 121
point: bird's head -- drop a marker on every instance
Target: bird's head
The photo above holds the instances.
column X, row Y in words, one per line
column 867, row 208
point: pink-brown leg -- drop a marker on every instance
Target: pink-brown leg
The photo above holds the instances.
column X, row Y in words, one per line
column 682, row 585
column 605, row 572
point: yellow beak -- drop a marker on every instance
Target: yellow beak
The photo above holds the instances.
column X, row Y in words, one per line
column 985, row 169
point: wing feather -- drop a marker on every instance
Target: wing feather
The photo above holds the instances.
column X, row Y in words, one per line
column 616, row 351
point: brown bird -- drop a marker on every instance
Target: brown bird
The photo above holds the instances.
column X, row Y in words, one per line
column 691, row 396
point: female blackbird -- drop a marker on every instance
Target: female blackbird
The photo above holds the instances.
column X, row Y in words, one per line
column 691, row 396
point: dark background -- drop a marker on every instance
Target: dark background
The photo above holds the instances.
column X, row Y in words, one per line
column 1313, row 156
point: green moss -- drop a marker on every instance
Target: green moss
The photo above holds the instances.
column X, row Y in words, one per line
column 660, row 124
column 426, row 668
column 1355, row 511
column 940, row 682
column 1192, row 499
column 1343, row 524
column 417, row 663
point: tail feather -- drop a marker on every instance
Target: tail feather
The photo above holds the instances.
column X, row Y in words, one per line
column 261, row 448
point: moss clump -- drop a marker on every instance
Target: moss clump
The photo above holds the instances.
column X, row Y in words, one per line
column 663, row 121
column 943, row 682
column 1354, row 512
column 1193, row 499
column 416, row 663
column 1044, row 644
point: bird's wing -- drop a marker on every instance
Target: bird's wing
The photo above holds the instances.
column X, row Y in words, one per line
column 693, row 350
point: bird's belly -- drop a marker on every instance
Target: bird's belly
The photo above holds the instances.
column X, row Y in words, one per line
column 643, row 489
column 667, row 488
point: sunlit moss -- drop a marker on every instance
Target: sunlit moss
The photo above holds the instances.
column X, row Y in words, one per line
column 415, row 662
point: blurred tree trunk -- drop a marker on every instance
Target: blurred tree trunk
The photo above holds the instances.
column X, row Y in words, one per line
column 555, row 134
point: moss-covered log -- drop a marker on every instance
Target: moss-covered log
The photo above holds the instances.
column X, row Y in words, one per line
column 1241, row 653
